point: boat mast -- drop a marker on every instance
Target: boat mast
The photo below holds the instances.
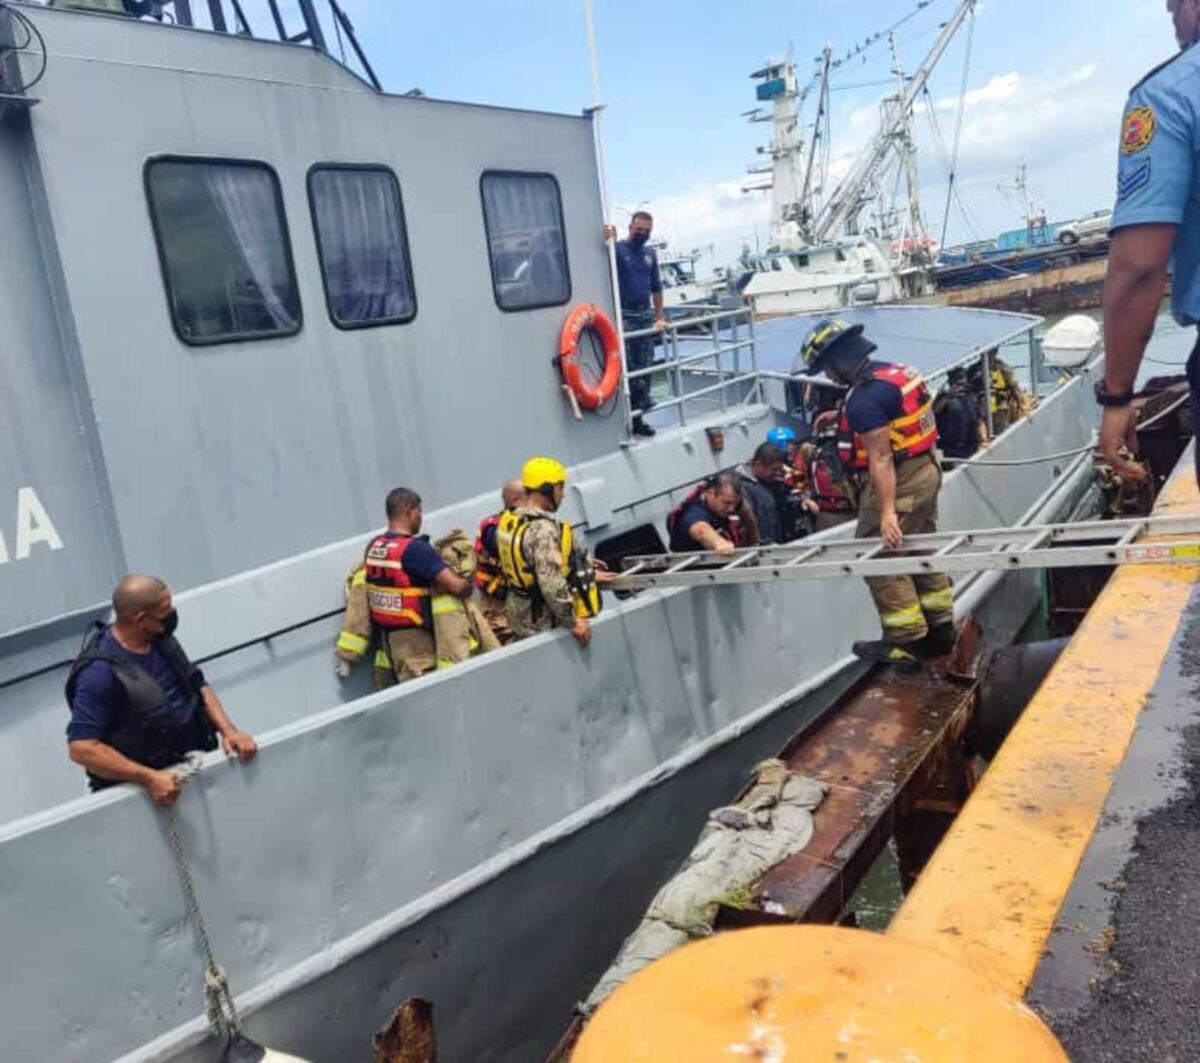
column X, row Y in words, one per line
column 849, row 198
column 808, row 193
column 777, row 84
column 906, row 148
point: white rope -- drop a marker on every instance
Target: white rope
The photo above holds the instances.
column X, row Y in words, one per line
column 219, row 1007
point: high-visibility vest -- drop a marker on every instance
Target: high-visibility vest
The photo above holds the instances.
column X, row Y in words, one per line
column 1001, row 392
column 520, row 577
column 489, row 576
column 913, row 433
column 394, row 598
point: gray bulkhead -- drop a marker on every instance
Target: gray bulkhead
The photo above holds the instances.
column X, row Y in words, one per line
column 219, row 459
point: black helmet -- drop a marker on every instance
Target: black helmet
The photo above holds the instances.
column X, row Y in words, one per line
column 822, row 338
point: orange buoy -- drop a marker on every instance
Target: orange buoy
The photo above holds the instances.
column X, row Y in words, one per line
column 582, row 317
column 812, row 993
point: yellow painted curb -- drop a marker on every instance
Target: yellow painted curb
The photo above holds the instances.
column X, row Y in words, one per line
column 991, row 894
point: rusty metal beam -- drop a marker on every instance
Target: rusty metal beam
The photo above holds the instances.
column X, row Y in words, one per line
column 894, row 741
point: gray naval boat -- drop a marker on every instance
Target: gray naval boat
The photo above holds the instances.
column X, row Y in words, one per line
column 245, row 292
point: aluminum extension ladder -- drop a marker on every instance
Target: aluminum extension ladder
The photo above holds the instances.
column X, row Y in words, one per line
column 1108, row 542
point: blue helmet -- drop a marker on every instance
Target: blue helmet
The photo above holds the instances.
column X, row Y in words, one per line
column 782, row 437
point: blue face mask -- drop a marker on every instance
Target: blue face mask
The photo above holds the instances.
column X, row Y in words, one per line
column 638, row 239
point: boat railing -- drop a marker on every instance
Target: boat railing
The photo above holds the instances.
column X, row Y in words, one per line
column 697, row 349
column 322, row 24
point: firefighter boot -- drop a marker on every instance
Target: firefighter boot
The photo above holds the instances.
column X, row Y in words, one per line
column 881, row 651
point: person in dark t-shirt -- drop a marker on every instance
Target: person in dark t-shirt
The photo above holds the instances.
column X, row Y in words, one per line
column 138, row 705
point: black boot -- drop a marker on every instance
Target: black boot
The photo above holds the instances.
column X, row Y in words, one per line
column 640, row 428
column 883, row 652
column 938, row 643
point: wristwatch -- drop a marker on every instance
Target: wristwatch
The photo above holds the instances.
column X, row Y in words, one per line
column 1106, row 398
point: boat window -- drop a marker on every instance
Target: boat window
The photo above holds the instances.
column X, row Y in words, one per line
column 361, row 239
column 776, row 265
column 223, row 244
column 839, row 254
column 800, row 261
column 526, row 240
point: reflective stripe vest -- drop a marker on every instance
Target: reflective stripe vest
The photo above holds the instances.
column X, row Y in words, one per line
column 1001, row 392
column 520, row 577
column 394, row 600
column 914, row 432
column 489, row 576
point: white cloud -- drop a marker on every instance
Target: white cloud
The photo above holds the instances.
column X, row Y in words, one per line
column 717, row 214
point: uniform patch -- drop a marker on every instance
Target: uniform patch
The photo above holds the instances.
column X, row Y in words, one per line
column 1135, row 177
column 1141, row 123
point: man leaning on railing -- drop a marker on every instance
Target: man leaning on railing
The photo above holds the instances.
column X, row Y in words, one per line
column 641, row 290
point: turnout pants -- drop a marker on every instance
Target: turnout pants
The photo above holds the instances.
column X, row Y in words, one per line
column 909, row 606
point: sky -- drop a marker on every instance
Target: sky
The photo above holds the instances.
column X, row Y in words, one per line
column 1047, row 81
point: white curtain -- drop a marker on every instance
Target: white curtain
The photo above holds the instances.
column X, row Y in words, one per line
column 528, row 247
column 364, row 254
column 245, row 198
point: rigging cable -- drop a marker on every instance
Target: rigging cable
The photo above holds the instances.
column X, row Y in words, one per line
column 962, row 110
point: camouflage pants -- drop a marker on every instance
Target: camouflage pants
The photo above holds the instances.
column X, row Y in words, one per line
column 527, row 615
column 909, row 606
column 496, row 615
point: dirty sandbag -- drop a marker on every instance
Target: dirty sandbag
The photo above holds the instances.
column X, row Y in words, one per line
column 771, row 821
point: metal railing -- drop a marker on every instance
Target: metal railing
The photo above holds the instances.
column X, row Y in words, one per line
column 695, row 350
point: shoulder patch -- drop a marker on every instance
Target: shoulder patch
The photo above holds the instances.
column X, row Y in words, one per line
column 1138, row 129
column 1134, row 178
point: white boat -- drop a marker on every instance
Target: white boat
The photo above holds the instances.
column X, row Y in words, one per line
column 853, row 271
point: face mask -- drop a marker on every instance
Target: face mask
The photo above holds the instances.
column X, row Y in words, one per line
column 638, row 239
column 170, row 622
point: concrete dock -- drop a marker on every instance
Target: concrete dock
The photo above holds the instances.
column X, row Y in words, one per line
column 1072, row 876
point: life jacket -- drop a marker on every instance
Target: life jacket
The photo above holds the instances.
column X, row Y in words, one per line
column 735, row 529
column 394, row 599
column 489, row 576
column 1001, row 392
column 828, row 484
column 913, row 433
column 520, row 577
column 148, row 731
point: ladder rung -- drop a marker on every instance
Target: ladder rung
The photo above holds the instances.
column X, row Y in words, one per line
column 799, row 559
column 1134, row 531
column 745, row 559
column 679, row 566
column 952, row 545
column 636, row 568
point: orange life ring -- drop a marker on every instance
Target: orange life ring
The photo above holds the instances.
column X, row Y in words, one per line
column 588, row 316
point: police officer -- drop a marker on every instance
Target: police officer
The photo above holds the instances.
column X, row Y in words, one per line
column 1157, row 216
column 489, row 577
column 138, row 705
column 640, row 288
column 402, row 571
column 550, row 583
column 887, row 433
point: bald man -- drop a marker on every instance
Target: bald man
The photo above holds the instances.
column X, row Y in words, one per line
column 138, row 705
column 488, row 577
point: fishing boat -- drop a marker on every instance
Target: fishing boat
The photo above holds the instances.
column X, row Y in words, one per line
column 246, row 292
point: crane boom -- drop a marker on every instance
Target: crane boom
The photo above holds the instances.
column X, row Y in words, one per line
column 847, row 199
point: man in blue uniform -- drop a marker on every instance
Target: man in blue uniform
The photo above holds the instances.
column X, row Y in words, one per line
column 641, row 308
column 138, row 705
column 1157, row 216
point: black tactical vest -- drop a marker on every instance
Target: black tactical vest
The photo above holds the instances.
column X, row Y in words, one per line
column 148, row 730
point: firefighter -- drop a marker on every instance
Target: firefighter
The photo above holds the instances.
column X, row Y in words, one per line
column 831, row 488
column 357, row 636
column 887, row 435
column 1007, row 399
column 460, row 630
column 402, row 572
column 550, row 582
column 489, row 578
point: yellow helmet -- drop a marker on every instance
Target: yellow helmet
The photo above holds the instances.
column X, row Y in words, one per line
column 537, row 472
